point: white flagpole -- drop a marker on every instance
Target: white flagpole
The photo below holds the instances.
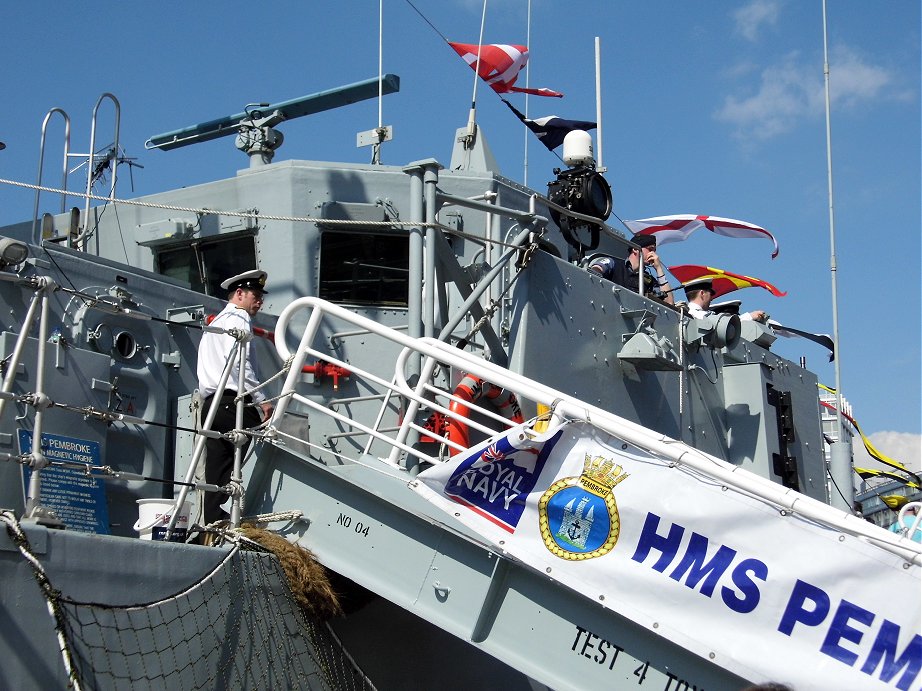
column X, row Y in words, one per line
column 376, row 148
column 472, row 117
column 840, row 466
column 598, row 104
column 527, row 132
column 380, row 64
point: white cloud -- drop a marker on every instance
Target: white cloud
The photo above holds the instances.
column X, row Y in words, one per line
column 852, row 81
column 786, row 93
column 751, row 18
column 741, row 70
column 900, row 446
column 793, row 90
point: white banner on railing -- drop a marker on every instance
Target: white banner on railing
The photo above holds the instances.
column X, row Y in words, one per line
column 719, row 570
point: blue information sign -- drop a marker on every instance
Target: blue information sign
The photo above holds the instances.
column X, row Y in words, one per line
column 78, row 499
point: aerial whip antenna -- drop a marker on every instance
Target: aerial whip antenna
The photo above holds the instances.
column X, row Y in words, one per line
column 527, row 133
column 381, row 133
column 471, row 126
column 840, row 453
column 598, row 104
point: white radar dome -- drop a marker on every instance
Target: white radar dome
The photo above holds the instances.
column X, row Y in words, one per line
column 577, row 149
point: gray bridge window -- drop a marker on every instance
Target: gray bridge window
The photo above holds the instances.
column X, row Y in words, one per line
column 203, row 265
column 364, row 268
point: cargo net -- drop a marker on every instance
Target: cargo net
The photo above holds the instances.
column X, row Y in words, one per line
column 240, row 627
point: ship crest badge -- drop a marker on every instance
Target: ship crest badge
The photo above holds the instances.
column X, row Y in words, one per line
column 578, row 516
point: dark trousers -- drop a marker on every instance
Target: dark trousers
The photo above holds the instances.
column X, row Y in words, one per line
column 219, row 453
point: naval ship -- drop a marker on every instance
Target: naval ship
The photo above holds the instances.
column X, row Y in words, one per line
column 513, row 472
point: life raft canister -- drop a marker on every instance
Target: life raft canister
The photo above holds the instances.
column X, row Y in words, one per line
column 472, row 389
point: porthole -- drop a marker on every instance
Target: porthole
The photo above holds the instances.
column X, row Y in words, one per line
column 124, row 345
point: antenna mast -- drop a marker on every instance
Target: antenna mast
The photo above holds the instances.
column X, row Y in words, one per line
column 598, row 104
column 840, row 456
column 527, row 133
column 382, row 133
column 471, row 133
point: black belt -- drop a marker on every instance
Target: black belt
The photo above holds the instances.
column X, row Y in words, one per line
column 230, row 393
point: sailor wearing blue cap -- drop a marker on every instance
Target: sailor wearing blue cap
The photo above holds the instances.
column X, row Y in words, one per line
column 244, row 299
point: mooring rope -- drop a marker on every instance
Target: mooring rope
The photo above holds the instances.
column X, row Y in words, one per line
column 14, row 530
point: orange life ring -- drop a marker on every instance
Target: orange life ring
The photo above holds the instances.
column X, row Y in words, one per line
column 470, row 390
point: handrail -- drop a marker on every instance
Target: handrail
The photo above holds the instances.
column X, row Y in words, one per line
column 910, row 530
column 85, row 233
column 41, row 161
column 238, row 353
column 40, row 401
column 437, row 354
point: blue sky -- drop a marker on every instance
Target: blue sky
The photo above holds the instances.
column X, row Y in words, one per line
column 708, row 107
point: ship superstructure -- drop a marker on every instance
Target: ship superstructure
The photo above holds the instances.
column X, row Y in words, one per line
column 433, row 343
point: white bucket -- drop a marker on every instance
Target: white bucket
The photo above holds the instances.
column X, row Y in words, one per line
column 154, row 516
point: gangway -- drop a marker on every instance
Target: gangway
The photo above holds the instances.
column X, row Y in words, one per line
column 705, row 576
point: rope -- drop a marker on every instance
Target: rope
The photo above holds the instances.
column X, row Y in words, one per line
column 14, row 530
column 275, row 516
column 224, row 532
column 269, row 217
column 283, row 371
column 214, row 212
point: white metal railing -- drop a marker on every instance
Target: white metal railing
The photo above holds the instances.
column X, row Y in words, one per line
column 40, row 401
column 907, row 528
column 424, row 394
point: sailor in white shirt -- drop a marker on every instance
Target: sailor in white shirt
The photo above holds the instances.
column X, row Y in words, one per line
column 245, row 298
column 700, row 293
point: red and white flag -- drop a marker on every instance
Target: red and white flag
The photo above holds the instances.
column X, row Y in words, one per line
column 678, row 227
column 500, row 65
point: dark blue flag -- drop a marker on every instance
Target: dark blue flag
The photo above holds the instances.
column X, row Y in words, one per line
column 822, row 339
column 551, row 129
